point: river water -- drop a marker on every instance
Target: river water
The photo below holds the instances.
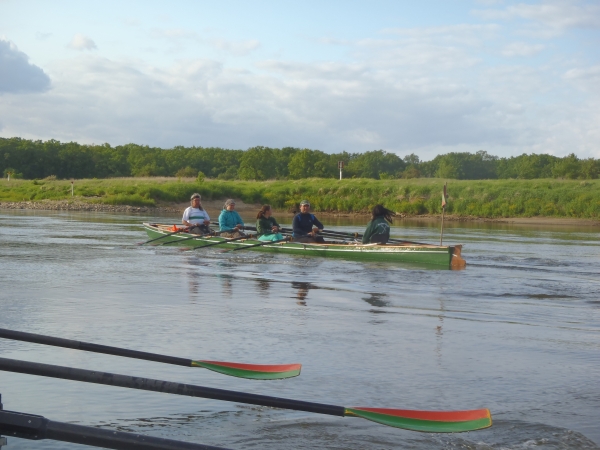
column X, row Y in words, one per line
column 517, row 332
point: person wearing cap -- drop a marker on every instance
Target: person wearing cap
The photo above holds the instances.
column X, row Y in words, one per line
column 230, row 222
column 306, row 226
column 196, row 217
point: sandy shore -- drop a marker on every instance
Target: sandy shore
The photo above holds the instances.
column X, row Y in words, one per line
column 214, row 206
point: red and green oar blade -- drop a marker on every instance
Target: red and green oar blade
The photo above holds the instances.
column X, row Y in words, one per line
column 252, row 371
column 427, row 421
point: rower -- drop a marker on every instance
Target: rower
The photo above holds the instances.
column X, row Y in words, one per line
column 306, row 226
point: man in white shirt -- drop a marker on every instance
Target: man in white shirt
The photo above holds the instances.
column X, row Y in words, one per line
column 196, row 217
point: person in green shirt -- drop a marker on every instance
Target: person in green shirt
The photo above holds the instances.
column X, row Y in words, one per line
column 266, row 226
column 378, row 229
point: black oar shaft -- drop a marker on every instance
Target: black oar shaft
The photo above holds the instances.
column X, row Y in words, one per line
column 78, row 345
column 163, row 236
column 148, row 384
column 29, row 426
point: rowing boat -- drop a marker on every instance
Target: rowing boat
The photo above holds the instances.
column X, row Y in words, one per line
column 431, row 255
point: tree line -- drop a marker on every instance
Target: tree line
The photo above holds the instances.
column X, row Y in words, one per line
column 22, row 158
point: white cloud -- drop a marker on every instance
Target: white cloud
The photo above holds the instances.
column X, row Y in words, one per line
column 17, row 75
column 424, row 91
column 176, row 36
column 81, row 42
column 522, row 49
column 236, row 48
column 587, row 79
column 557, row 15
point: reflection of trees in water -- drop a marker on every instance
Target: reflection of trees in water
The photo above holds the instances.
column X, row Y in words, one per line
column 303, row 288
column 377, row 300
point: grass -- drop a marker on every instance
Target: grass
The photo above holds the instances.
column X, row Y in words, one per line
column 481, row 198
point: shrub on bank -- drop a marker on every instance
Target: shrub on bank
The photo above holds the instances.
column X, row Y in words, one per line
column 481, row 198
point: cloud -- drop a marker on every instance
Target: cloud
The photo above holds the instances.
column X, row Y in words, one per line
column 236, row 48
column 586, row 79
column 42, row 36
column 557, row 15
column 421, row 91
column 81, row 43
column 17, row 75
column 176, row 36
column 522, row 49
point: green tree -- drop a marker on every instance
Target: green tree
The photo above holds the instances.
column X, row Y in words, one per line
column 567, row 167
column 376, row 163
column 257, row 163
column 309, row 163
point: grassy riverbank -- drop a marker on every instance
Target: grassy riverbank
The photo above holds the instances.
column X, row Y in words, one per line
column 481, row 198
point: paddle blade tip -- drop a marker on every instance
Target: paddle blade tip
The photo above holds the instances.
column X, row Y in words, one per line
column 426, row 421
column 252, row 371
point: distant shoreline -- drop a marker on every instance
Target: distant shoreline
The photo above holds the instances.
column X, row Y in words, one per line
column 214, row 206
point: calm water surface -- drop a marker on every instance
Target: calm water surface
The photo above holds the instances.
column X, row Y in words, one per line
column 516, row 332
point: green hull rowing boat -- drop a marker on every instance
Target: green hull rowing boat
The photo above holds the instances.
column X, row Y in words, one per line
column 431, row 255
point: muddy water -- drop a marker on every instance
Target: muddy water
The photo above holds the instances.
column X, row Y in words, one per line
column 516, row 332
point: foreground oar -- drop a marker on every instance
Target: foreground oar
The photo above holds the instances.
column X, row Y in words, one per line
column 427, row 421
column 29, row 426
column 258, row 245
column 251, row 371
column 163, row 236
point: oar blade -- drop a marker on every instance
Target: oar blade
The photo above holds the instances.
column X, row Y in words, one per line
column 426, row 421
column 252, row 371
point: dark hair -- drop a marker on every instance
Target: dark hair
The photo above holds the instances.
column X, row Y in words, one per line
column 262, row 211
column 382, row 211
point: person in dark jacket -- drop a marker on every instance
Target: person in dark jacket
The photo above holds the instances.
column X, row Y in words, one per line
column 267, row 227
column 378, row 229
column 305, row 226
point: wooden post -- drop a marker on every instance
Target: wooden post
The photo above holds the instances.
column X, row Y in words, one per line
column 340, row 166
column 443, row 211
column 72, row 184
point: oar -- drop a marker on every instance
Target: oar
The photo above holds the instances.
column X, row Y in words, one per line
column 196, row 236
column 358, row 235
column 250, row 371
column 163, row 236
column 426, row 421
column 258, row 245
column 222, row 242
column 34, row 427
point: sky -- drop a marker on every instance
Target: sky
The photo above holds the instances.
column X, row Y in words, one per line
column 428, row 77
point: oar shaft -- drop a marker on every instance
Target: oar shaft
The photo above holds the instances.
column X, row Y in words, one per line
column 163, row 236
column 147, row 384
column 29, row 426
column 89, row 347
column 241, row 238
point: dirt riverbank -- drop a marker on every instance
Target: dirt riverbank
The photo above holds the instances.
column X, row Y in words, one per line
column 214, row 206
